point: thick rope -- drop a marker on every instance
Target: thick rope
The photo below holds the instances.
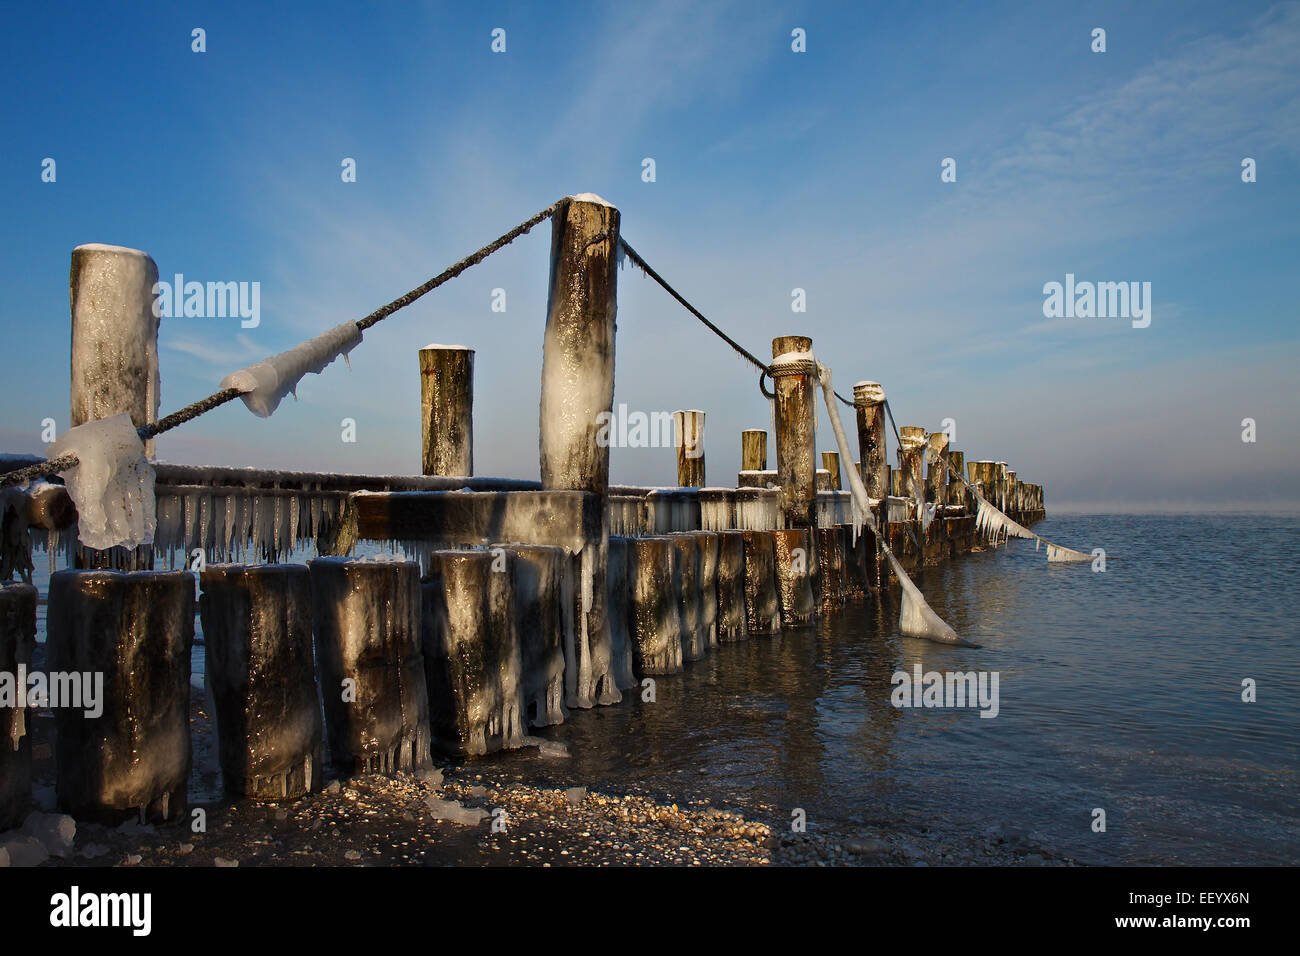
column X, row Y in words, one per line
column 217, row 399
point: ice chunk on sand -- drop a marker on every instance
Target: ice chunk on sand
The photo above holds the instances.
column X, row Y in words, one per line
column 112, row 484
column 264, row 384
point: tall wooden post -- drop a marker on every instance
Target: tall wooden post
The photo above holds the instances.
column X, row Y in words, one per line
column 869, row 403
column 114, row 335
column 753, row 450
column 114, row 356
column 689, row 426
column 794, row 375
column 447, row 410
column 577, row 402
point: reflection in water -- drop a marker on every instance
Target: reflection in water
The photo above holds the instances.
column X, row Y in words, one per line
column 1118, row 690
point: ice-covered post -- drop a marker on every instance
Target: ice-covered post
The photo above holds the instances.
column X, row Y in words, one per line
column 114, row 354
column 114, row 335
column 1000, row 480
column 753, row 450
column 576, row 409
column 17, row 642
column 538, row 584
column 762, row 606
column 936, row 475
column 911, row 459
column 447, row 410
column 132, row 756
column 689, row 426
column 831, row 463
column 956, row 490
column 366, row 621
column 731, row 586
column 654, row 581
column 257, row 631
column 869, row 404
column 794, row 375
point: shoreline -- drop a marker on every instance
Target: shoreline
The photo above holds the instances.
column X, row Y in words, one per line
column 473, row 813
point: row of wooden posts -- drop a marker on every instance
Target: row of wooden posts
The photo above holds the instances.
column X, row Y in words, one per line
column 523, row 603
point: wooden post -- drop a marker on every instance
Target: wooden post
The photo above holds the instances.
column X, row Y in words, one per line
column 706, row 547
column 620, row 630
column 1000, row 482
column 910, row 461
column 689, row 427
column 370, row 656
column 133, row 758
column 795, row 560
column 762, row 607
column 17, row 642
column 447, row 410
column 753, row 450
column 114, row 335
column 831, row 464
column 1013, row 505
column 469, row 631
column 869, row 404
column 830, row 554
column 576, row 406
column 694, row 641
column 654, row 582
column 957, row 493
column 257, row 632
column 795, row 379
column 731, row 587
column 114, row 357
column 539, row 611
column 936, row 475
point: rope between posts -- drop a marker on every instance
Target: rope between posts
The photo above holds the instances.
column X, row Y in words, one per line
column 739, row 349
column 217, row 399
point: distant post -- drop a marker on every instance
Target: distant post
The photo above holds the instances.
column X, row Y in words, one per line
column 447, row 410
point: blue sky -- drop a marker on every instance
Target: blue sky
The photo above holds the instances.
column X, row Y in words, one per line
column 775, row 170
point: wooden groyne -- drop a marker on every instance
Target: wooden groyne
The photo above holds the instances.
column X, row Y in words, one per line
column 498, row 605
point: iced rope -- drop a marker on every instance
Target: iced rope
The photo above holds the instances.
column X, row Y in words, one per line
column 217, row 399
column 916, row 617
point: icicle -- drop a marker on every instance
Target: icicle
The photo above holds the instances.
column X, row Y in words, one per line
column 294, row 536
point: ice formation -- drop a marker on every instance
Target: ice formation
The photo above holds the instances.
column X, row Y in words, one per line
column 917, row 618
column 264, row 384
column 112, row 483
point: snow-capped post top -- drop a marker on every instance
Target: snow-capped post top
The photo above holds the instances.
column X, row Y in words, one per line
column 591, row 197
column 105, row 247
column 111, row 484
column 868, row 393
column 264, row 384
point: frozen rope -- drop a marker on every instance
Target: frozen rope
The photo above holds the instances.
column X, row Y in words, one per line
column 916, row 617
column 991, row 518
column 219, row 398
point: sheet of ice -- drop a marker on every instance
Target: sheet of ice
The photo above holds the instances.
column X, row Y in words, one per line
column 112, row 484
column 264, row 384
